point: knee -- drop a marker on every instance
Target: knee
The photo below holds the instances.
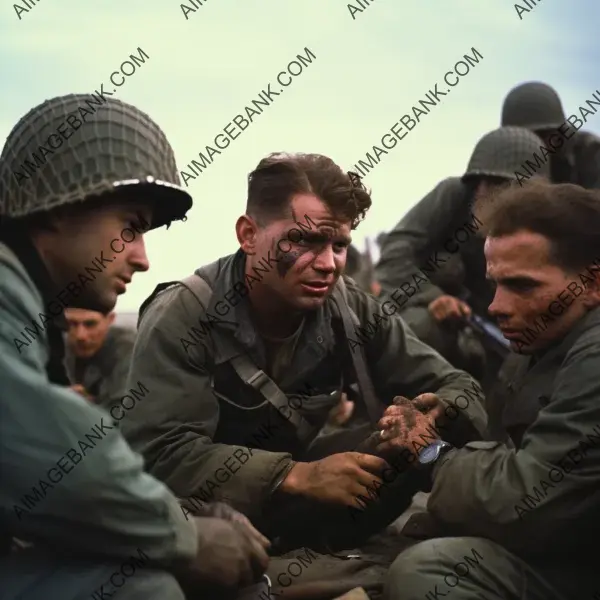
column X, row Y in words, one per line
column 151, row 585
column 430, row 561
column 417, row 558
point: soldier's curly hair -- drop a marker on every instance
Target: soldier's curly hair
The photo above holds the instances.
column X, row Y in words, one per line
column 281, row 175
column 566, row 214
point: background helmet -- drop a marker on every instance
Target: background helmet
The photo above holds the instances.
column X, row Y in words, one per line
column 75, row 147
column 533, row 105
column 503, row 151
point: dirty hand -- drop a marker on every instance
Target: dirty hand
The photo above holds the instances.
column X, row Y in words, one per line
column 448, row 307
column 336, row 479
column 221, row 510
column 429, row 404
column 341, row 412
column 228, row 558
column 82, row 392
column 405, row 425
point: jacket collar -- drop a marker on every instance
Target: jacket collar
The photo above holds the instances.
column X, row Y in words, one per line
column 316, row 338
column 26, row 252
column 561, row 347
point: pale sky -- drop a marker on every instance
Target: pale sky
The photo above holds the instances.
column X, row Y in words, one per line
column 368, row 72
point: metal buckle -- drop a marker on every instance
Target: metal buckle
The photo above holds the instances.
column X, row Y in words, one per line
column 258, row 380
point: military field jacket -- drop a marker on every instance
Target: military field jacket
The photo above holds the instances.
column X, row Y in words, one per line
column 68, row 479
column 544, row 497
column 579, row 163
column 105, row 375
column 209, row 436
column 435, row 249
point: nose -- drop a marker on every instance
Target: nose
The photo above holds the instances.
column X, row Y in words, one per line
column 500, row 305
column 78, row 333
column 325, row 260
column 137, row 257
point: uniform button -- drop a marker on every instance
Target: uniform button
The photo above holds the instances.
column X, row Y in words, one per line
column 320, row 339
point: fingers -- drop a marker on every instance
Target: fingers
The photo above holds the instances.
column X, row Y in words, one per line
column 372, row 464
column 255, row 533
column 399, row 401
column 364, row 478
column 342, row 411
column 426, row 401
column 255, row 557
column 448, row 307
column 421, row 434
column 401, row 416
column 465, row 309
column 347, row 409
column 228, row 513
column 259, row 560
column 366, row 488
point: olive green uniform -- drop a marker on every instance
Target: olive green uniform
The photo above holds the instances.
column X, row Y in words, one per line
column 209, row 435
column 83, row 508
column 436, row 250
column 537, row 506
column 104, row 375
column 574, row 155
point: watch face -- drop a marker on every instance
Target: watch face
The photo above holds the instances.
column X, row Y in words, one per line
column 430, row 453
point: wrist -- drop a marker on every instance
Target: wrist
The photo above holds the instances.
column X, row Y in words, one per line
column 291, row 483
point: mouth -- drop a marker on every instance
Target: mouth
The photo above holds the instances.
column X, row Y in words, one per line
column 122, row 283
column 511, row 334
column 316, row 287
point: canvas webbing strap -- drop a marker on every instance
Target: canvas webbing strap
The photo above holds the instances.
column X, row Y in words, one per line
column 251, row 375
column 375, row 407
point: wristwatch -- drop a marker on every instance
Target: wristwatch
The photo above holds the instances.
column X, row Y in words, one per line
column 431, row 453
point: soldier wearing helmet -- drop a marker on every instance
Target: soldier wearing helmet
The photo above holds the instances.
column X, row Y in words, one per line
column 433, row 259
column 87, row 507
column 573, row 155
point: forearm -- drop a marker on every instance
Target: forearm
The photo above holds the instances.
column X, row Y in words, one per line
column 201, row 472
column 93, row 496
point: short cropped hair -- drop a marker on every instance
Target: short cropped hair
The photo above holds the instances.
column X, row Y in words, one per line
column 568, row 215
column 280, row 176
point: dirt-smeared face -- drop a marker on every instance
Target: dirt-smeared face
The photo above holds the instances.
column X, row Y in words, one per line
column 299, row 258
column 536, row 302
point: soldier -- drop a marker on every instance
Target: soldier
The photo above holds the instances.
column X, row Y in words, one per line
column 531, row 514
column 434, row 260
column 90, row 522
column 573, row 155
column 245, row 358
column 97, row 355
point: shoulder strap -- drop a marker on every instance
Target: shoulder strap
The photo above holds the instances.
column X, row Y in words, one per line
column 375, row 408
column 250, row 374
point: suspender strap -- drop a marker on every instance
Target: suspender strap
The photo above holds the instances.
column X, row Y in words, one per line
column 374, row 406
column 251, row 375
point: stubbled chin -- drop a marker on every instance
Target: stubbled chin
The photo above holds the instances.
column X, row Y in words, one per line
column 520, row 348
column 308, row 303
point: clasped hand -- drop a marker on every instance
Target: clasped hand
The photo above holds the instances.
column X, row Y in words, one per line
column 409, row 424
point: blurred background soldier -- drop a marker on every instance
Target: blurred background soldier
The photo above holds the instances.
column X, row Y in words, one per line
column 359, row 266
column 433, row 259
column 574, row 155
column 97, row 355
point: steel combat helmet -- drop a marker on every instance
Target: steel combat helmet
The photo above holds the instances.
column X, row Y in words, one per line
column 503, row 151
column 75, row 147
column 533, row 105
